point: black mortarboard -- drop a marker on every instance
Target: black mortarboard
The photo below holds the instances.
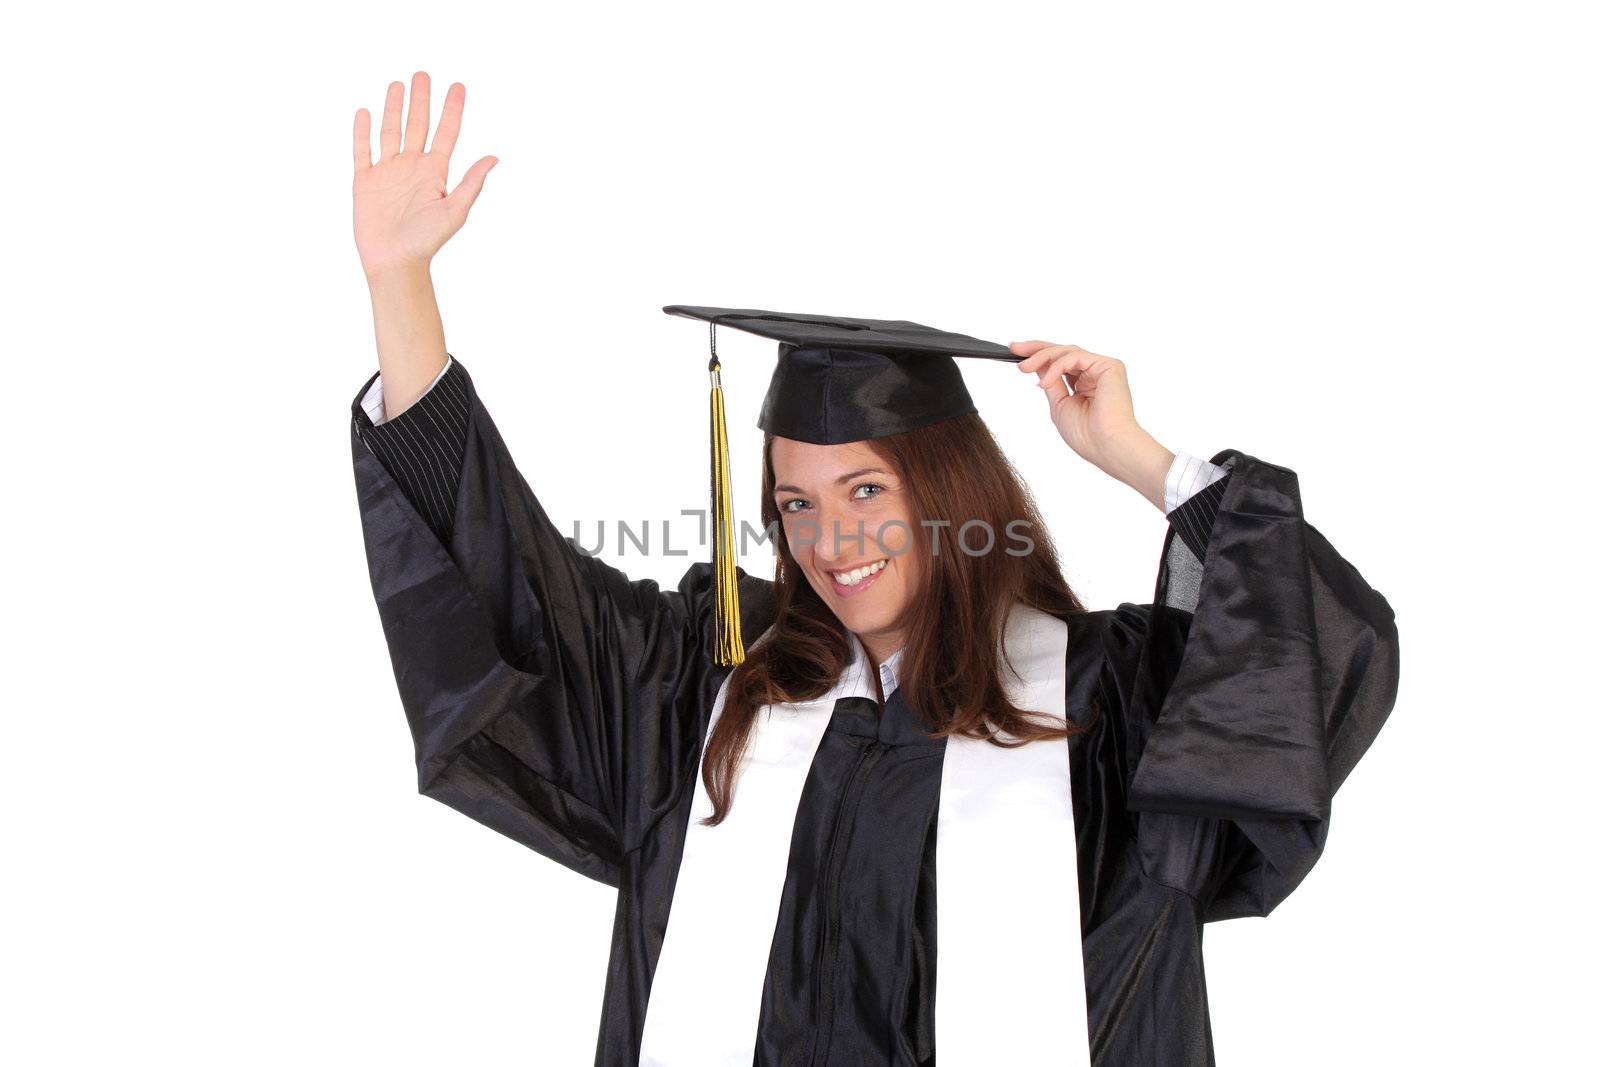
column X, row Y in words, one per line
column 838, row 380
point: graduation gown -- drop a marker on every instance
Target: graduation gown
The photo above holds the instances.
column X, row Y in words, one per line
column 564, row 705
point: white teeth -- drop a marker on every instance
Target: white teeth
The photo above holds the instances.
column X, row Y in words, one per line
column 852, row 577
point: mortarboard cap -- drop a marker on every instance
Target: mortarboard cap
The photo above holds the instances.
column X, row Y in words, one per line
column 837, row 380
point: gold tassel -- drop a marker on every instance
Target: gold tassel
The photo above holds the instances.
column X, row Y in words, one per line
column 729, row 641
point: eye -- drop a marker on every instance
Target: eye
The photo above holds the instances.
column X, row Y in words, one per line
column 785, row 505
column 867, row 485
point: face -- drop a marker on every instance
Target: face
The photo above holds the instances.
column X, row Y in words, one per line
column 847, row 518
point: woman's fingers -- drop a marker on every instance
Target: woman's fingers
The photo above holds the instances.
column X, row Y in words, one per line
column 1055, row 389
column 1037, row 353
column 417, row 115
column 389, row 132
column 363, row 139
column 391, row 142
column 1087, row 392
column 1028, row 348
column 1057, row 360
column 1057, row 366
column 1066, row 369
column 1063, row 366
column 444, row 138
column 470, row 185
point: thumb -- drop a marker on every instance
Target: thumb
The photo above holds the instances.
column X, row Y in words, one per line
column 471, row 184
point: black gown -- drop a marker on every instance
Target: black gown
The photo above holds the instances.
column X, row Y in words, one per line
column 564, row 705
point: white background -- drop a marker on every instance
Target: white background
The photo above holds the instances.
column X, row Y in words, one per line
column 1355, row 240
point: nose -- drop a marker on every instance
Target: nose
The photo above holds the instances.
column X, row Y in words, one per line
column 840, row 540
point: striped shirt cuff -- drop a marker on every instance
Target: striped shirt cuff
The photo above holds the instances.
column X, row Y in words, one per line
column 1194, row 516
column 1187, row 476
column 372, row 399
column 424, row 446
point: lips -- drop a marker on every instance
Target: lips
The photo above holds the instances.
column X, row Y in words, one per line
column 849, row 581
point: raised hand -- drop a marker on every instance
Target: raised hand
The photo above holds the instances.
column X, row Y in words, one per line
column 403, row 215
column 1092, row 408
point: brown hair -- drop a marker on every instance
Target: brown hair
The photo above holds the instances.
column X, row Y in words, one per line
column 950, row 671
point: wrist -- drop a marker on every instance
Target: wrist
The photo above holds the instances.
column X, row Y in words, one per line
column 399, row 275
column 1140, row 461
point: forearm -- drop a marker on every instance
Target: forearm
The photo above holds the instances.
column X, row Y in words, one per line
column 410, row 335
column 1141, row 462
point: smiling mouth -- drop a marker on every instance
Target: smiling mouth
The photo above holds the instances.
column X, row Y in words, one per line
column 856, row 575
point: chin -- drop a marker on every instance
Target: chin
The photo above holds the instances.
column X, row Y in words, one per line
column 871, row 611
column 863, row 622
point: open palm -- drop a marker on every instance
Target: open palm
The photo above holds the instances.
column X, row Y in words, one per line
column 403, row 215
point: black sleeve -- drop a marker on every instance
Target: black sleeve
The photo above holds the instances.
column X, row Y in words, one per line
column 422, row 448
column 1193, row 518
column 549, row 696
column 1250, row 687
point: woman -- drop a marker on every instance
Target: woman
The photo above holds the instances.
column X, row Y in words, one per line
column 809, row 845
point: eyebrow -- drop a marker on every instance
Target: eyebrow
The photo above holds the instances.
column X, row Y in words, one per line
column 837, row 481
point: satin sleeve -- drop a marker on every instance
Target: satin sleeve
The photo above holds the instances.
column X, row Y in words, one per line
column 1252, row 684
column 549, row 696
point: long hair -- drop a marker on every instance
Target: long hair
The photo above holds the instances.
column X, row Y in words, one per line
column 950, row 670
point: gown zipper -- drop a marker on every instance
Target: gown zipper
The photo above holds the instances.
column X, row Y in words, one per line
column 870, row 754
